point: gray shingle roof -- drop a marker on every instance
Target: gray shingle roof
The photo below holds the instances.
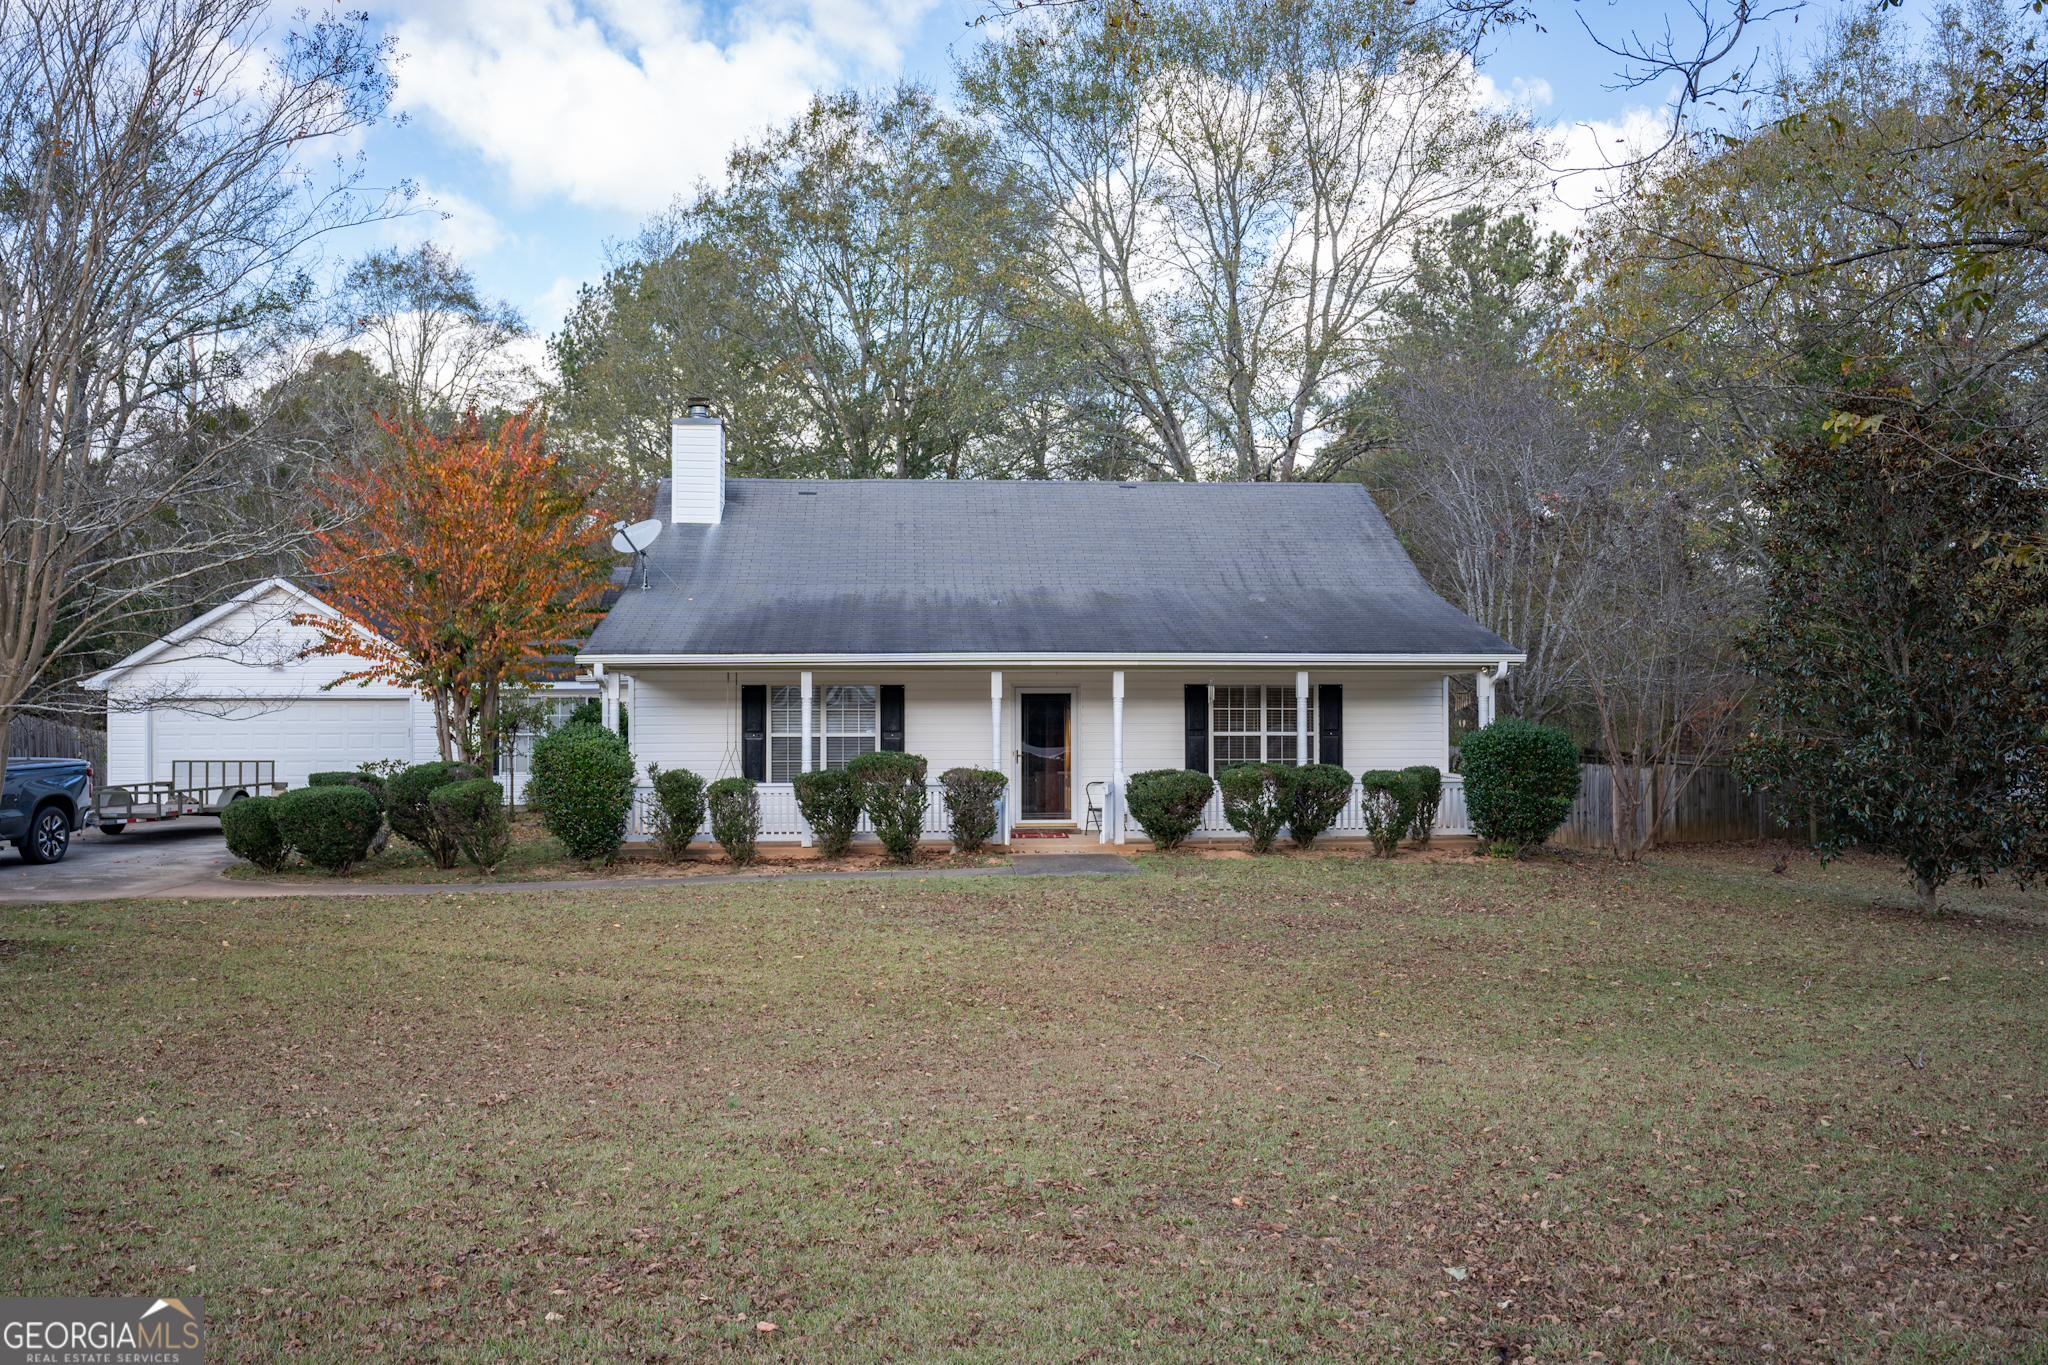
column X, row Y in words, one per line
column 885, row 566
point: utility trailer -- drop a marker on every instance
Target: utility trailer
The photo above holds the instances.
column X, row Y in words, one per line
column 197, row 787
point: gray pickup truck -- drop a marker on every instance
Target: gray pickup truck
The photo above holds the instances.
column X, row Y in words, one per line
column 43, row 802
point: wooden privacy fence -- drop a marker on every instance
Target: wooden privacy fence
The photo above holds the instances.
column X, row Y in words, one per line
column 36, row 737
column 1711, row 806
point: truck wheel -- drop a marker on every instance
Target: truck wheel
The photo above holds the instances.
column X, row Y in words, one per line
column 113, row 827
column 48, row 838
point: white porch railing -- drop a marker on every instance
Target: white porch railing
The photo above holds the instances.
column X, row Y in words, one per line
column 1451, row 818
column 781, row 822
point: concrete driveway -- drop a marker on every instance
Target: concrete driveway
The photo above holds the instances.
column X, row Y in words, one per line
column 148, row 860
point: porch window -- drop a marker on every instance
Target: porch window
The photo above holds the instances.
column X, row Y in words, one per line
column 845, row 723
column 1256, row 725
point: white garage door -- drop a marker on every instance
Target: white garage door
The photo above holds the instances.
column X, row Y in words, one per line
column 301, row 737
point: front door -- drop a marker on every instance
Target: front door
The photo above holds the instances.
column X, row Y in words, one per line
column 1048, row 755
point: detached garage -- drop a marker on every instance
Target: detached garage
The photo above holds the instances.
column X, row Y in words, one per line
column 234, row 684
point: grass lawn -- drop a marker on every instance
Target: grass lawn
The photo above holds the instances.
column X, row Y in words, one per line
column 1233, row 1110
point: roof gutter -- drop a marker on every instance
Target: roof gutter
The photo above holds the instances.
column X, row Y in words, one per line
column 1452, row 662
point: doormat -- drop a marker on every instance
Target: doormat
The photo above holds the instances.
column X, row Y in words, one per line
column 1041, row 833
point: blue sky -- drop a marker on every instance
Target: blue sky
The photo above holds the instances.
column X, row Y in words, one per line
column 544, row 130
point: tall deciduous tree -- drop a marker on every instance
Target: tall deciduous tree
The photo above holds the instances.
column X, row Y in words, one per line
column 1902, row 697
column 844, row 300
column 1507, row 496
column 460, row 565
column 442, row 344
column 155, row 205
column 1231, row 210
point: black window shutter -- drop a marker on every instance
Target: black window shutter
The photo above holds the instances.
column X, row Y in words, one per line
column 754, row 732
column 892, row 719
column 1330, row 724
column 1198, row 726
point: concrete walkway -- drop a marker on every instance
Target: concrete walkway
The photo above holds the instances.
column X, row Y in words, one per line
column 167, row 862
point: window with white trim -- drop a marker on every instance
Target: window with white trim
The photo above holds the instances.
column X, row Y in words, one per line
column 1256, row 725
column 845, row 723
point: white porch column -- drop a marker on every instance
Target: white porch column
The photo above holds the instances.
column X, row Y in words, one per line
column 1113, row 808
column 805, row 684
column 995, row 748
column 804, row 764
column 1301, row 718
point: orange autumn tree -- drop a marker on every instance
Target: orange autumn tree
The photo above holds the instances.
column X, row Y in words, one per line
column 458, row 566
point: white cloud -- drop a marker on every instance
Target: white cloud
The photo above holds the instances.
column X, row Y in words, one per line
column 623, row 104
column 449, row 220
column 553, row 306
column 1591, row 159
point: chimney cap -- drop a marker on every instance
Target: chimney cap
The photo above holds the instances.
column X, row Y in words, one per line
column 697, row 409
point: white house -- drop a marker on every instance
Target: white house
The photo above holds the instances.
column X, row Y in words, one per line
column 1066, row 634
column 237, row 683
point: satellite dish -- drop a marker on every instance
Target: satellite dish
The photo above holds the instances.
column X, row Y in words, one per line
column 634, row 539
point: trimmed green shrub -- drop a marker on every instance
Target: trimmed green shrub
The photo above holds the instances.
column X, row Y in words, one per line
column 1520, row 781
column 588, row 712
column 830, row 801
column 678, row 808
column 735, row 817
column 892, row 793
column 473, row 814
column 331, row 827
column 1168, row 802
column 409, row 806
column 1429, row 799
column 251, row 829
column 583, row 783
column 369, row 782
column 971, row 798
column 1321, row 791
column 1388, row 800
column 1258, row 798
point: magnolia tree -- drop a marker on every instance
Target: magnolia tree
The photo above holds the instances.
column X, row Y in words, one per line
column 1900, row 698
column 460, row 566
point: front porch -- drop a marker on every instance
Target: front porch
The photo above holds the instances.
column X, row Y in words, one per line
column 1065, row 738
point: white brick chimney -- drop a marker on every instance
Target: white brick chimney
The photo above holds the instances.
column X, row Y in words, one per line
column 696, row 457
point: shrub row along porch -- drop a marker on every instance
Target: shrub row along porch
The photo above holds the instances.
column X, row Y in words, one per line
column 782, row 823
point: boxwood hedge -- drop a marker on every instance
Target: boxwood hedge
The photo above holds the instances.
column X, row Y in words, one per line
column 1168, row 803
column 583, row 785
column 251, row 829
column 331, row 827
column 735, row 817
column 1520, row 782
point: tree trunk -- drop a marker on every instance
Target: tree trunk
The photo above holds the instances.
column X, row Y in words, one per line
column 490, row 728
column 1925, row 889
column 441, row 723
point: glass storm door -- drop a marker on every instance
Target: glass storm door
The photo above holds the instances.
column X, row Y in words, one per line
column 1047, row 757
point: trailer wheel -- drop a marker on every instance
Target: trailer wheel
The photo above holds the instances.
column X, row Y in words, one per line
column 113, row 826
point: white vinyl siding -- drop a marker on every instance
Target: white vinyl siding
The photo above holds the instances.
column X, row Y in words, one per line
column 300, row 737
